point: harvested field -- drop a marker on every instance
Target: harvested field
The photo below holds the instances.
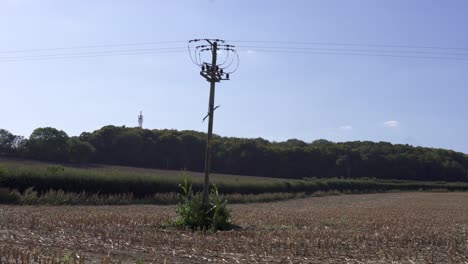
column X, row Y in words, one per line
column 370, row 228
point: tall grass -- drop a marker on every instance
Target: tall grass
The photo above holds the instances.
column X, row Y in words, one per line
column 112, row 186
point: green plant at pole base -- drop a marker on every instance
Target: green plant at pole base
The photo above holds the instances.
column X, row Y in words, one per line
column 192, row 215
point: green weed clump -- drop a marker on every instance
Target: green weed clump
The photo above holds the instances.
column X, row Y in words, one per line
column 192, row 214
column 9, row 197
column 3, row 170
column 55, row 169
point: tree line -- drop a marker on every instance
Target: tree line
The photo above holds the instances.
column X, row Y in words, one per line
column 295, row 159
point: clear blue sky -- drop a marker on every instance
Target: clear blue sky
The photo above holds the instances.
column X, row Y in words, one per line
column 275, row 96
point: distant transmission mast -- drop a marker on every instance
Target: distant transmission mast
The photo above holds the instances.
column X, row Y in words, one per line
column 204, row 53
column 140, row 120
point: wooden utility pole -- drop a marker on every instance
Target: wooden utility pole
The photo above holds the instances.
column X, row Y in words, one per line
column 213, row 73
column 212, row 81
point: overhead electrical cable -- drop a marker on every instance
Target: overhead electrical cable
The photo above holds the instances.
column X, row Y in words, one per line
column 354, row 50
column 356, row 54
column 348, row 44
column 93, row 55
column 264, row 46
column 93, row 46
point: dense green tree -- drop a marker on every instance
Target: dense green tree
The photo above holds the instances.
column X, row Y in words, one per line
column 11, row 145
column 193, row 147
column 6, row 142
column 172, row 149
column 48, row 144
column 127, row 147
column 79, row 151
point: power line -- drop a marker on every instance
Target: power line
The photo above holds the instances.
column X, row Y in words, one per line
column 347, row 44
column 356, row 54
column 136, row 52
column 110, row 52
column 93, row 56
column 239, row 41
column 94, row 46
column 180, row 50
column 358, row 50
column 293, row 47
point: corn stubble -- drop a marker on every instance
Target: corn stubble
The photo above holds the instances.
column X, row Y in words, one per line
column 371, row 228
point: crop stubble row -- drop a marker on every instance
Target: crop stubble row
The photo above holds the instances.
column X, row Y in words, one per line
column 379, row 228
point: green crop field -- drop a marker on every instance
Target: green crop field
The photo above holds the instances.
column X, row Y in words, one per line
column 32, row 182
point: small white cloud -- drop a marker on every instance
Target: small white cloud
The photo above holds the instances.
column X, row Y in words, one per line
column 391, row 123
column 250, row 51
column 347, row 127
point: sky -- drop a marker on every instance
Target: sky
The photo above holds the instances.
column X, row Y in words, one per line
column 276, row 96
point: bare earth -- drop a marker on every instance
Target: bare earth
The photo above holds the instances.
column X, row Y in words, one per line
column 372, row 228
